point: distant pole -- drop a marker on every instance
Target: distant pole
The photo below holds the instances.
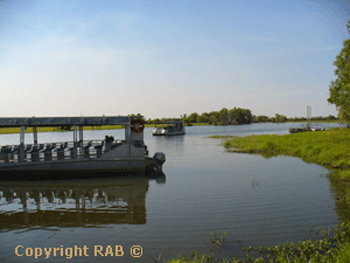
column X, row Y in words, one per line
column 308, row 117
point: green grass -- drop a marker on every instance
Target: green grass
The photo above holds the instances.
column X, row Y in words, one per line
column 315, row 121
column 343, row 254
column 330, row 148
column 57, row 129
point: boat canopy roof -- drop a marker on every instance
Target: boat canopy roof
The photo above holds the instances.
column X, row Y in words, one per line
column 59, row 121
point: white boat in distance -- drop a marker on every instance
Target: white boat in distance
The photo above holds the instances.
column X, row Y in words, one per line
column 129, row 155
column 169, row 128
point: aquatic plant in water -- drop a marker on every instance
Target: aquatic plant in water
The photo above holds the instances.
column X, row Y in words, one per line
column 216, row 240
column 326, row 248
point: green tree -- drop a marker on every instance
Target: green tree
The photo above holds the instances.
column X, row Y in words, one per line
column 262, row 118
column 340, row 88
column 214, row 117
column 240, row 116
column 280, row 118
column 213, row 120
column 248, row 116
column 203, row 118
column 224, row 116
column 192, row 118
column 331, row 117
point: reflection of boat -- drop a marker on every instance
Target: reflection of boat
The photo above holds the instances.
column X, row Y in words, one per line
column 88, row 203
column 108, row 155
column 170, row 128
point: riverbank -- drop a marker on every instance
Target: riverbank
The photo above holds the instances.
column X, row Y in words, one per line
column 328, row 148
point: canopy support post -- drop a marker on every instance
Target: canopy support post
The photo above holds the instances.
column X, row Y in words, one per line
column 128, row 138
column 21, row 144
column 81, row 133
column 75, row 141
column 81, row 139
column 35, row 133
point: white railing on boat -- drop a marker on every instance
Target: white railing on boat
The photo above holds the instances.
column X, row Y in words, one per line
column 56, row 151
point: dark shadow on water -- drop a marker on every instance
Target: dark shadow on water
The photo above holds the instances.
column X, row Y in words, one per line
column 340, row 190
column 99, row 202
column 266, row 155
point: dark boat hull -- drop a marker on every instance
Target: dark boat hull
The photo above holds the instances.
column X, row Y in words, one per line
column 78, row 169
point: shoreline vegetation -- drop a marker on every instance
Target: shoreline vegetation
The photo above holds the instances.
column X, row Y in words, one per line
column 238, row 116
column 328, row 148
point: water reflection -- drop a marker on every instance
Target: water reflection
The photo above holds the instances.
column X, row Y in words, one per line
column 341, row 194
column 86, row 203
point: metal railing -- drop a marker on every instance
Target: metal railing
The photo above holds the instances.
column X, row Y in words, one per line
column 55, row 151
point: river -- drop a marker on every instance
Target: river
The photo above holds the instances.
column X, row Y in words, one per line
column 256, row 201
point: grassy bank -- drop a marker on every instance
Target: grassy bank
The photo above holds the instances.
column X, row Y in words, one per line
column 329, row 148
column 313, row 121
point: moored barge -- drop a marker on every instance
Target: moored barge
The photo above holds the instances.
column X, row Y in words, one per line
column 129, row 155
column 170, row 128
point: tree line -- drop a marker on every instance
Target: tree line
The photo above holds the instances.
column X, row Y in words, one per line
column 281, row 118
column 223, row 117
column 233, row 117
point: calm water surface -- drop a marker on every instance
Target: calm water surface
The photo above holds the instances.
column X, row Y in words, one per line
column 256, row 200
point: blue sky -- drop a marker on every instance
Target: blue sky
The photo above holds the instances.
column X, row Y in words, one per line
column 166, row 58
